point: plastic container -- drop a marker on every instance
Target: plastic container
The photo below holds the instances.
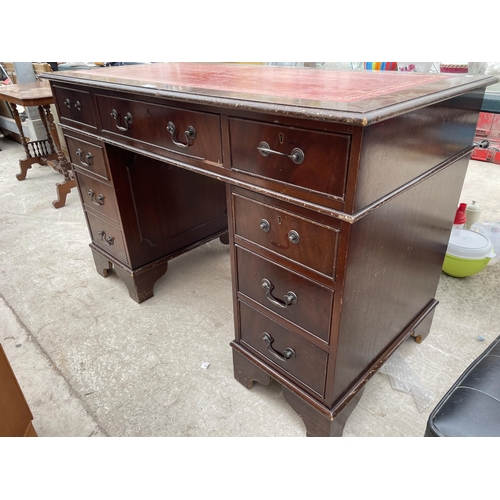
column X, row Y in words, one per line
column 418, row 67
column 492, row 231
column 460, row 216
column 473, row 212
column 468, row 253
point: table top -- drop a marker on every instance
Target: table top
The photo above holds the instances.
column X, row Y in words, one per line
column 27, row 94
column 358, row 97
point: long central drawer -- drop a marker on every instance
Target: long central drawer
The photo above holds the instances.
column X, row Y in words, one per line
column 191, row 133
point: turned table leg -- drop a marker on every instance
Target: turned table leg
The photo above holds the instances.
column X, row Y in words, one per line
column 26, row 163
column 63, row 166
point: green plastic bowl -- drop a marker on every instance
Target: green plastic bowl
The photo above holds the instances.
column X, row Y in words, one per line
column 461, row 268
column 468, row 253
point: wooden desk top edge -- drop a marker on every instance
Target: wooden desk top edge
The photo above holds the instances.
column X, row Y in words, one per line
column 27, row 94
column 177, row 81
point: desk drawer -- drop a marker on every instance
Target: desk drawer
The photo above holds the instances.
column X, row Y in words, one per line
column 275, row 287
column 87, row 155
column 189, row 133
column 322, row 167
column 289, row 351
column 74, row 106
column 309, row 243
column 97, row 195
column 107, row 237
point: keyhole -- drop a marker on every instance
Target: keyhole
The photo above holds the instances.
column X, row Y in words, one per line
column 279, row 219
column 281, row 137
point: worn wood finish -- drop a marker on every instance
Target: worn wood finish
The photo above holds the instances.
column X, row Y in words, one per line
column 357, row 230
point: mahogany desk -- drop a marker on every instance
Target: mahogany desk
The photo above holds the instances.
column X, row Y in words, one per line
column 47, row 151
column 338, row 195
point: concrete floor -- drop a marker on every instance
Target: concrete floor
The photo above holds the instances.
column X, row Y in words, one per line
column 92, row 362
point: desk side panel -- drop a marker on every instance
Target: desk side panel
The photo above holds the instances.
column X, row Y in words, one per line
column 395, row 253
column 396, row 151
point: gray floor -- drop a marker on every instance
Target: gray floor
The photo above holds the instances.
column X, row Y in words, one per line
column 92, row 362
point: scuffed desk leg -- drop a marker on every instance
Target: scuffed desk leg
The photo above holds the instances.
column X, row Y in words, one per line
column 102, row 264
column 246, row 373
column 140, row 283
column 317, row 425
column 423, row 328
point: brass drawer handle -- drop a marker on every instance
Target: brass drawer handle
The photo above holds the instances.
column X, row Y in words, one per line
column 294, row 237
column 190, row 135
column 78, row 104
column 109, row 240
column 99, row 201
column 88, row 157
column 297, row 155
column 288, row 353
column 128, row 119
column 288, row 299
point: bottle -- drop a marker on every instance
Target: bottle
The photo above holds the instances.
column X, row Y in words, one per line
column 460, row 216
column 472, row 213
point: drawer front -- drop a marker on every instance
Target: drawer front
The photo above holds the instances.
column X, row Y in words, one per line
column 190, row 133
column 289, row 351
column 274, row 287
column 86, row 155
column 97, row 195
column 325, row 155
column 313, row 245
column 74, row 106
column 107, row 237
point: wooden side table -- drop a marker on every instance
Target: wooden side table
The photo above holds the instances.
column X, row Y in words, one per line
column 47, row 151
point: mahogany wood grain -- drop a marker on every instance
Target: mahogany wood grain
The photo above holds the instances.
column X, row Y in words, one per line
column 280, row 229
column 323, row 169
column 309, row 363
column 314, row 301
column 96, row 163
column 150, row 125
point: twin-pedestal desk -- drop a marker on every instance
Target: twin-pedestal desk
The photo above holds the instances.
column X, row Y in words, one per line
column 336, row 192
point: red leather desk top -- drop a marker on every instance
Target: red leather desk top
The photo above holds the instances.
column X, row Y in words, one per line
column 354, row 96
